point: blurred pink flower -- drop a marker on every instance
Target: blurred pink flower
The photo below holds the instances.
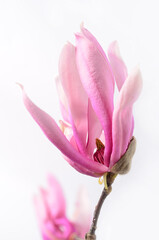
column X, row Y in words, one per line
column 50, row 207
column 86, row 90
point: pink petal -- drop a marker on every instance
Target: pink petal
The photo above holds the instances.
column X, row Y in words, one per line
column 82, row 214
column 122, row 116
column 50, row 208
column 55, row 199
column 67, row 228
column 63, row 100
column 43, row 214
column 75, row 94
column 40, row 209
column 94, row 129
column 89, row 36
column 68, row 133
column 61, row 230
column 117, row 64
column 55, row 135
column 81, row 169
column 47, row 231
column 98, row 82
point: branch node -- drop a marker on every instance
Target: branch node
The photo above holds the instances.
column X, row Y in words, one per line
column 89, row 236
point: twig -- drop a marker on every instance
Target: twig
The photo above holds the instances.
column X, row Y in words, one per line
column 91, row 234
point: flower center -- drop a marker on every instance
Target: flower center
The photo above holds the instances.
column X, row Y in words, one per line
column 98, row 155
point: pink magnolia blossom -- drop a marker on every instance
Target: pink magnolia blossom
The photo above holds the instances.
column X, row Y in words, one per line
column 85, row 85
column 50, row 208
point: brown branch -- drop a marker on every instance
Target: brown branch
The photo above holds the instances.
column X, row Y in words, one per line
column 91, row 234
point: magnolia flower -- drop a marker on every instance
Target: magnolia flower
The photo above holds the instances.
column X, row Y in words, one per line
column 95, row 133
column 50, row 208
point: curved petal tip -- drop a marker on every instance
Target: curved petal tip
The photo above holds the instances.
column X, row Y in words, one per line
column 81, row 25
column 20, row 85
column 114, row 48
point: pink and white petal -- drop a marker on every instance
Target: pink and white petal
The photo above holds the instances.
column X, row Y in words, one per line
column 94, row 129
column 75, row 93
column 55, row 199
column 98, row 82
column 65, row 228
column 48, row 230
column 76, row 166
column 118, row 66
column 64, row 112
column 122, row 118
column 46, row 237
column 62, row 100
column 55, row 135
column 81, row 169
column 78, row 132
column 82, row 214
column 61, row 230
column 90, row 36
column 40, row 209
column 67, row 131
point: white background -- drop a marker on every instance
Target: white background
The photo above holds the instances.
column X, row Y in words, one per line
column 32, row 33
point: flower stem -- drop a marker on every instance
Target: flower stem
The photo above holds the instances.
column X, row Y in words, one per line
column 91, row 234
